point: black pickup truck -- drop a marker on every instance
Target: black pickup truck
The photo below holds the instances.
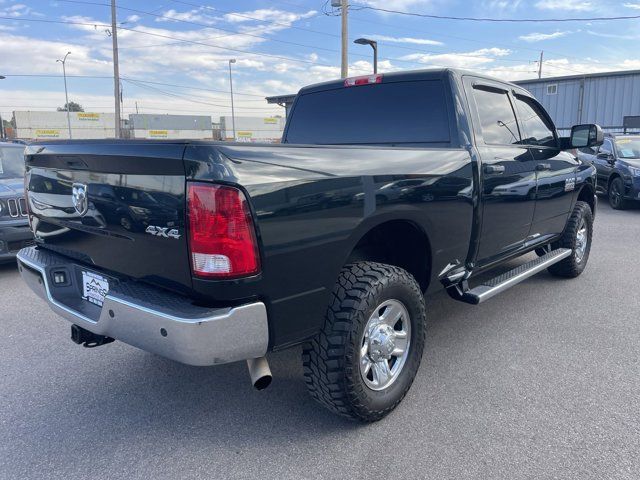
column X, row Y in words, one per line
column 386, row 187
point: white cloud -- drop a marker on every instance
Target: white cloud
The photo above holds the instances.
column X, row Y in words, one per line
column 538, row 37
column 195, row 15
column 617, row 36
column 16, row 10
column 402, row 5
column 411, row 40
column 635, row 6
column 267, row 15
column 502, row 5
column 133, row 18
column 570, row 5
column 472, row 59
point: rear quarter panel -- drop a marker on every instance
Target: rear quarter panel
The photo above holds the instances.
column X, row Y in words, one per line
column 314, row 203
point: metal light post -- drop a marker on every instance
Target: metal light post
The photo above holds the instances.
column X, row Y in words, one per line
column 374, row 45
column 66, row 94
column 233, row 113
column 2, row 136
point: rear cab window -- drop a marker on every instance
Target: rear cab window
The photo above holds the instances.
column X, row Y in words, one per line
column 403, row 113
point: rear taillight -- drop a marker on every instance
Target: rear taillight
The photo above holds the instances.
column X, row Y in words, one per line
column 365, row 80
column 222, row 238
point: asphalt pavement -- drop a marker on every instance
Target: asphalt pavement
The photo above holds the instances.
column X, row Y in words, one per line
column 542, row 381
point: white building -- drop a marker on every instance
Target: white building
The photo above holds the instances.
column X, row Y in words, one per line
column 170, row 126
column 84, row 125
column 253, row 129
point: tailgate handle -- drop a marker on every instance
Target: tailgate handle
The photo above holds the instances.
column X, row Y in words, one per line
column 75, row 163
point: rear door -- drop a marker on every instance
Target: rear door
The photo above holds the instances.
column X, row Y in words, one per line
column 508, row 170
column 555, row 169
column 116, row 206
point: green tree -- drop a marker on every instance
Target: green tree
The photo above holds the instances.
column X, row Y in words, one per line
column 73, row 107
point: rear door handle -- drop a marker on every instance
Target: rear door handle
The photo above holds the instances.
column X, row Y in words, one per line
column 543, row 166
column 494, row 169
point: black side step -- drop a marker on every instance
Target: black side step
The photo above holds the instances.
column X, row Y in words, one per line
column 507, row 280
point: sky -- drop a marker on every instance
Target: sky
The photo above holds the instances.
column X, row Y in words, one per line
column 174, row 54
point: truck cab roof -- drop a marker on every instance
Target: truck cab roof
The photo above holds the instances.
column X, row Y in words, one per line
column 409, row 75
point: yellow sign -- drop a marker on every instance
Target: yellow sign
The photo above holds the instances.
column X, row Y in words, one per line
column 93, row 117
column 270, row 121
column 47, row 133
column 244, row 134
column 158, row 133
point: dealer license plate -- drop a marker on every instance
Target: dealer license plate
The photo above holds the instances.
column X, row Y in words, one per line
column 94, row 288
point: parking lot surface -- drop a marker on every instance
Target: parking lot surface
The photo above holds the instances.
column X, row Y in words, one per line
column 542, row 381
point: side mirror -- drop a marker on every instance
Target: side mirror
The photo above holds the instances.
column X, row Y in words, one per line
column 606, row 156
column 588, row 135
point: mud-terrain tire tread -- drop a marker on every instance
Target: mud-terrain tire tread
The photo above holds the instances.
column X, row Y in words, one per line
column 327, row 358
column 569, row 267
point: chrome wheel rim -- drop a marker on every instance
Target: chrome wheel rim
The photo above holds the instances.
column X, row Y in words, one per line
column 384, row 348
column 581, row 241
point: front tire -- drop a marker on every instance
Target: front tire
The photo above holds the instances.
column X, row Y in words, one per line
column 363, row 361
column 576, row 237
column 616, row 194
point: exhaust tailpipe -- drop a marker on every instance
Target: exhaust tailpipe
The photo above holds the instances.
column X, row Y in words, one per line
column 259, row 372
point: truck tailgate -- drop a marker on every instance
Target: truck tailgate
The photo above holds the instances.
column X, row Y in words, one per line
column 119, row 206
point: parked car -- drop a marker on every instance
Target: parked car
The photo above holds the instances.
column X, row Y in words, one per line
column 617, row 162
column 14, row 225
column 269, row 246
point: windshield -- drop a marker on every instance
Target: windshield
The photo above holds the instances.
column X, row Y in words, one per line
column 11, row 162
column 628, row 147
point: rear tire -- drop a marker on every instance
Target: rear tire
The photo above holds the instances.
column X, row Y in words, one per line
column 346, row 368
column 577, row 237
column 616, row 194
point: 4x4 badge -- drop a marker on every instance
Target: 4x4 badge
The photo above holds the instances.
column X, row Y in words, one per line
column 163, row 232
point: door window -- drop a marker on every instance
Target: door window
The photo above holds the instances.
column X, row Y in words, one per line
column 497, row 118
column 606, row 147
column 537, row 129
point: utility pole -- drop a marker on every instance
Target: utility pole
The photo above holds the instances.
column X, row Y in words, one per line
column 540, row 64
column 136, row 106
column 344, row 8
column 116, row 68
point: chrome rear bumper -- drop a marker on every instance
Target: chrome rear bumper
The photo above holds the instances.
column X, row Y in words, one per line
column 150, row 318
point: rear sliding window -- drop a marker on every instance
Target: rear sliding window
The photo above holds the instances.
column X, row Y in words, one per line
column 379, row 114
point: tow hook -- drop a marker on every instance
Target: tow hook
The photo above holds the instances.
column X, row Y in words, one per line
column 88, row 339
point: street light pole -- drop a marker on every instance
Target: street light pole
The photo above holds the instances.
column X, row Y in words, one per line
column 2, row 136
column 66, row 92
column 374, row 45
column 233, row 113
column 344, row 64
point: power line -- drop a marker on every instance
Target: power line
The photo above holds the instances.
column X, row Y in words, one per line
column 181, row 97
column 496, row 20
column 404, row 28
column 193, row 42
column 44, row 75
column 204, row 25
column 314, row 47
